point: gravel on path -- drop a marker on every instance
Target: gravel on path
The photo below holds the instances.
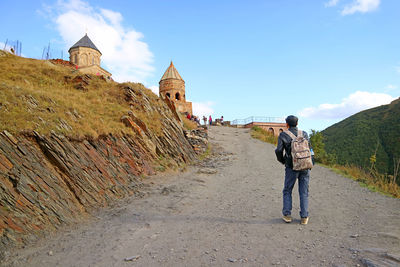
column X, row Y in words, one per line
column 226, row 211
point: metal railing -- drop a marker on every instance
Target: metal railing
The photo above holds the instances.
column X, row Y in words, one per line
column 257, row 119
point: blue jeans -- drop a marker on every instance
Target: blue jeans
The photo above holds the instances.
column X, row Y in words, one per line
column 290, row 180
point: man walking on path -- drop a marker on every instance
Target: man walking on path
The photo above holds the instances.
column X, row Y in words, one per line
column 284, row 145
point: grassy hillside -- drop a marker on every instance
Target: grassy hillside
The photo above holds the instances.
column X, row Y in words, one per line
column 39, row 95
column 371, row 132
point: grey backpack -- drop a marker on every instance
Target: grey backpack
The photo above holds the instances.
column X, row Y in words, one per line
column 301, row 153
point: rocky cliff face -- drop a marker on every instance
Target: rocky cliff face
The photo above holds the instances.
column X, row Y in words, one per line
column 48, row 181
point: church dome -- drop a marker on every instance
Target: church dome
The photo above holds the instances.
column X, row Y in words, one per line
column 171, row 73
column 85, row 42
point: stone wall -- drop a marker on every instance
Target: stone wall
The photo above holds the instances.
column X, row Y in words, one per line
column 84, row 56
column 184, row 107
column 170, row 88
column 88, row 61
column 95, row 70
column 173, row 86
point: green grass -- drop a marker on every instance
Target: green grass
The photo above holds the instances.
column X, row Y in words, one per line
column 373, row 132
column 206, row 153
column 163, row 164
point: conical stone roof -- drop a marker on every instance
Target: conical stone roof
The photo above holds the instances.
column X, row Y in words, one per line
column 85, row 42
column 171, row 73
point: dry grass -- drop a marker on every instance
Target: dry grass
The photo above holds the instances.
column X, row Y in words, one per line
column 377, row 182
column 188, row 124
column 263, row 135
column 35, row 96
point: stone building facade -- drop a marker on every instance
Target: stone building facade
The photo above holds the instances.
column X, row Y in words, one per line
column 173, row 86
column 86, row 56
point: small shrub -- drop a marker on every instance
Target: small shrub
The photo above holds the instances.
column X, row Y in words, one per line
column 318, row 145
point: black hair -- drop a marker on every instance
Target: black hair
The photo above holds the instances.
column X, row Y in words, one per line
column 292, row 120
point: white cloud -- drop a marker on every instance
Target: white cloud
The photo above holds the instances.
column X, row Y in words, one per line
column 124, row 53
column 203, row 108
column 154, row 89
column 362, row 6
column 331, row 3
column 350, row 105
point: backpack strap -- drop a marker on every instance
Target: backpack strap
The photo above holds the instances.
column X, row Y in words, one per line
column 290, row 134
column 300, row 133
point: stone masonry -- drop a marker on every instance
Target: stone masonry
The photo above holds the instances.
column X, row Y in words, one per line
column 172, row 86
column 86, row 56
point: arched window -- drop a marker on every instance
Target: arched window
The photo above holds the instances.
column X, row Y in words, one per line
column 177, row 96
column 76, row 59
column 271, row 130
column 168, row 95
column 93, row 60
column 280, row 130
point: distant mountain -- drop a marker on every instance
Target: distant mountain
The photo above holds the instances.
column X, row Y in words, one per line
column 355, row 139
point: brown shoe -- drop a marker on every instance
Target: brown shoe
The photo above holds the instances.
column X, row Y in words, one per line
column 287, row 218
column 304, row 221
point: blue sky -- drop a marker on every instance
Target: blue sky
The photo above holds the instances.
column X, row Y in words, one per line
column 320, row 60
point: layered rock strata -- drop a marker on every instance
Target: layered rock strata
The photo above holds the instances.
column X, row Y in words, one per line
column 48, row 181
column 198, row 139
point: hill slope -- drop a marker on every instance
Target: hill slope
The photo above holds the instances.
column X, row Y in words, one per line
column 355, row 139
column 42, row 96
column 70, row 143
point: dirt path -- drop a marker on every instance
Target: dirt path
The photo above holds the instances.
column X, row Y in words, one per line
column 228, row 213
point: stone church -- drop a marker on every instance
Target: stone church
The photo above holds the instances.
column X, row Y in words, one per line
column 86, row 56
column 173, row 86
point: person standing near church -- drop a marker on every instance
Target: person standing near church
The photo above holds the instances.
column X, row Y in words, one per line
column 210, row 120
